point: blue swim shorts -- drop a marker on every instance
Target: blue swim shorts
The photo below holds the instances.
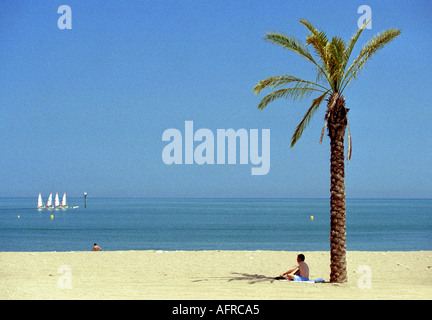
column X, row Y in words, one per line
column 300, row 278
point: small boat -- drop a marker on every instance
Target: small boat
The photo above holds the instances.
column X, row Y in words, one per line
column 49, row 202
column 40, row 204
column 57, row 202
column 63, row 203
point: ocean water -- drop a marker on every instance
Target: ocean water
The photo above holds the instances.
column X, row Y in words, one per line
column 213, row 224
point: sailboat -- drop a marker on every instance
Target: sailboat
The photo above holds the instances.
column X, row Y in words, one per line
column 57, row 201
column 49, row 202
column 63, row 203
column 40, row 205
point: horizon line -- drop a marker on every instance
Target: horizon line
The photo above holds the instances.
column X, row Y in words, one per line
column 230, row 198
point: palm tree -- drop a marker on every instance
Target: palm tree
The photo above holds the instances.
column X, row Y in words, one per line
column 333, row 75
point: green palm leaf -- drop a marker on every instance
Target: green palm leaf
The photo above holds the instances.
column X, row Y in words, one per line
column 289, row 43
column 318, row 39
column 368, row 50
column 352, row 43
column 288, row 93
column 292, row 44
column 278, row 81
column 335, row 61
column 307, row 117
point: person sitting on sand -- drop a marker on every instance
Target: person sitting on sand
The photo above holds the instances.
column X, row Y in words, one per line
column 301, row 271
column 96, row 248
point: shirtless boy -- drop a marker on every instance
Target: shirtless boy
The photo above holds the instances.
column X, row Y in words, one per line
column 96, row 248
column 301, row 271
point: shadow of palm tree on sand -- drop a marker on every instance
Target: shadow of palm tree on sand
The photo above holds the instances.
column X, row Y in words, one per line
column 250, row 278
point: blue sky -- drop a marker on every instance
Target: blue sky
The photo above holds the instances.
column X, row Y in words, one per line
column 85, row 109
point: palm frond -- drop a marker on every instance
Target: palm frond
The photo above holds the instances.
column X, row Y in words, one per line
column 349, row 152
column 278, row 81
column 291, row 43
column 333, row 98
column 379, row 41
column 353, row 42
column 335, row 61
column 368, row 50
column 306, row 119
column 323, row 131
column 321, row 76
column 288, row 93
column 319, row 41
column 319, row 46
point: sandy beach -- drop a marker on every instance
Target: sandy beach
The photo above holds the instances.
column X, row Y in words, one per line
column 199, row 275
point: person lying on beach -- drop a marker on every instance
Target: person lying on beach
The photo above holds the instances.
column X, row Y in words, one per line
column 301, row 271
column 96, row 248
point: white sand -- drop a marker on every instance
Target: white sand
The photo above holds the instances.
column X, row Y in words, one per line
column 209, row 275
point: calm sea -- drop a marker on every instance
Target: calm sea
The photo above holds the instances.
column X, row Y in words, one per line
column 213, row 224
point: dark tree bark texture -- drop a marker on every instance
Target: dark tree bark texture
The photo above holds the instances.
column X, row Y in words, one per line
column 337, row 122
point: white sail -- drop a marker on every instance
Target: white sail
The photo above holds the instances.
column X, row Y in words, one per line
column 57, row 201
column 63, row 204
column 49, row 202
column 40, row 203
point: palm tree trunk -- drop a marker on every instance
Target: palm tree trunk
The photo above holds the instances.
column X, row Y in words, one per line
column 337, row 122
